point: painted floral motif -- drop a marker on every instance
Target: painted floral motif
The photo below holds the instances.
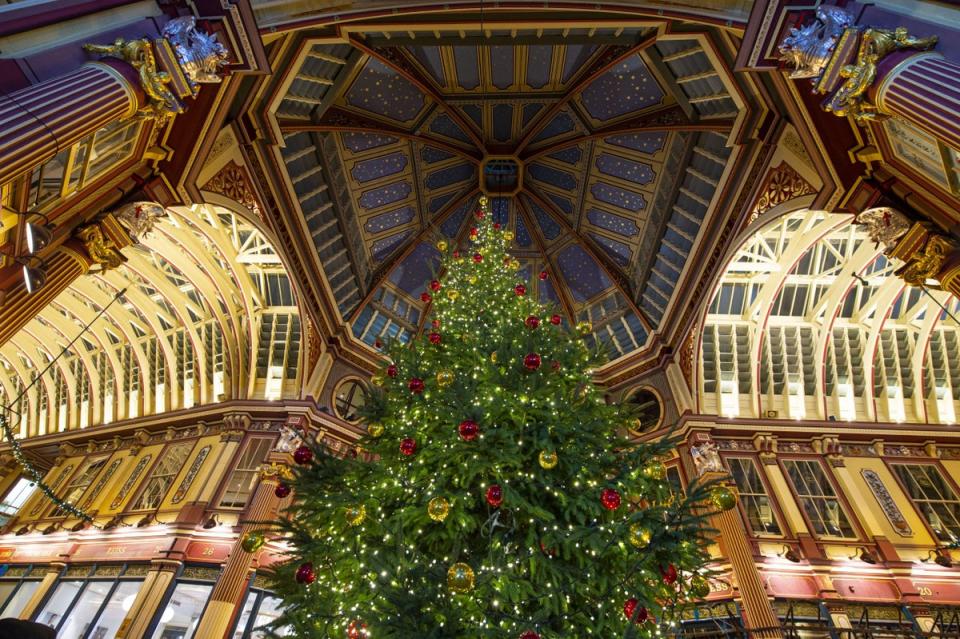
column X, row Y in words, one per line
column 191, row 475
column 887, row 503
column 131, row 480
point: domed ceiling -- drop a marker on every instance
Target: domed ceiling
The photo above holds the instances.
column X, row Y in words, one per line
column 603, row 146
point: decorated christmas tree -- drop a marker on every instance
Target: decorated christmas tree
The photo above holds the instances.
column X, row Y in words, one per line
column 497, row 493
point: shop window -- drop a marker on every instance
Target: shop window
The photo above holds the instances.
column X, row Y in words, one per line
column 243, row 479
column 757, row 507
column 166, row 470
column 182, row 612
column 646, row 410
column 933, row 497
column 79, row 484
column 60, row 603
column 818, row 498
column 15, row 498
column 349, row 399
column 90, row 608
column 260, row 609
column 17, row 585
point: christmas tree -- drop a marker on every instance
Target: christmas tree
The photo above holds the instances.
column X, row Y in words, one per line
column 497, row 494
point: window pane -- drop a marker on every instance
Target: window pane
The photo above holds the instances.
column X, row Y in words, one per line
column 245, row 615
column 46, row 180
column 818, row 499
column 14, row 500
column 20, row 599
column 84, row 612
column 270, row 609
column 180, row 617
column 57, row 605
column 933, row 497
column 111, row 618
column 166, row 471
column 6, row 587
column 244, row 477
column 753, row 496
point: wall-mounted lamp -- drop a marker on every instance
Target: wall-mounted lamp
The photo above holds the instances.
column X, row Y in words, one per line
column 22, row 531
column 34, row 274
column 788, row 553
column 940, row 557
column 37, row 236
column 865, row 556
column 146, row 521
column 212, row 522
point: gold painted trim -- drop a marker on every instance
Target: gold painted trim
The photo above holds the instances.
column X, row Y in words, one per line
column 896, row 71
column 125, row 85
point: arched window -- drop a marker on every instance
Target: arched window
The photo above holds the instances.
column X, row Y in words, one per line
column 349, row 398
column 646, row 409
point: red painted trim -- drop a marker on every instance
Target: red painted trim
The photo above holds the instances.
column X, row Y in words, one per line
column 27, row 18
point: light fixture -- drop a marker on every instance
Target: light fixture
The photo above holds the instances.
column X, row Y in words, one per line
column 788, row 553
column 212, row 522
column 37, row 235
column 34, row 276
column 941, row 557
column 147, row 519
column 22, row 531
column 865, row 556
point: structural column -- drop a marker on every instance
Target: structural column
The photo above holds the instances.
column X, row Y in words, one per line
column 148, row 599
column 922, row 89
column 39, row 121
column 226, row 594
column 49, row 579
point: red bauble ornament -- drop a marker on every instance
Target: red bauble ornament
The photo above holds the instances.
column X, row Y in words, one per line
column 357, row 630
column 303, row 455
column 629, row 606
column 392, row 370
column 434, row 285
column 506, row 261
column 281, row 491
column 305, row 574
column 415, row 385
column 377, row 343
column 555, row 319
column 543, row 275
column 495, row 495
column 434, row 338
column 496, row 225
column 669, row 574
column 555, row 365
column 610, row 498
column 477, row 258
column 456, row 254
column 529, row 634
column 548, row 552
column 425, row 297
column 532, row 321
column 473, row 231
column 435, row 323
column 408, row 446
column 479, row 214
column 520, row 289
column 468, row 430
column 532, row 361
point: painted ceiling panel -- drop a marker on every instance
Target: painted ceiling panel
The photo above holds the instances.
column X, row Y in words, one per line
column 445, row 126
column 581, row 273
column 539, row 59
column 386, row 221
column 636, row 172
column 383, row 247
column 432, row 155
column 611, row 222
column 621, row 198
column 501, row 63
column 626, row 88
column 375, row 198
column 644, row 142
column 379, row 167
column 429, row 58
column 380, row 90
column 416, row 268
column 358, row 142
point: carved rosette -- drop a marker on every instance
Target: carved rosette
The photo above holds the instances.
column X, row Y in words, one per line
column 782, row 184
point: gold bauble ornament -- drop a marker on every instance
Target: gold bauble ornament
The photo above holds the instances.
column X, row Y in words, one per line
column 639, row 536
column 252, row 541
column 355, row 514
column 655, row 470
column 699, row 587
column 460, row 578
column 472, row 279
column 483, row 201
column 493, row 357
column 508, row 236
column 444, row 378
column 442, row 246
column 377, row 380
column 723, row 498
column 438, row 508
column 375, row 430
column 515, row 265
column 452, row 294
column 548, row 459
column 584, row 328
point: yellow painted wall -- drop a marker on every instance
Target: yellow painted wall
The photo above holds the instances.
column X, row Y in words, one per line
column 26, row 513
column 167, row 504
column 119, row 479
column 868, row 509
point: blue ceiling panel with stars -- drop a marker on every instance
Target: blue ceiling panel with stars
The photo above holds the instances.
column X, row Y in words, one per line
column 593, row 127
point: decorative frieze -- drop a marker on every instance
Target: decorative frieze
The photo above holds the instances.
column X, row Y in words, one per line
column 131, row 480
column 191, row 475
column 887, row 503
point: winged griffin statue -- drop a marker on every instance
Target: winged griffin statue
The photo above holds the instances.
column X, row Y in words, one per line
column 809, row 48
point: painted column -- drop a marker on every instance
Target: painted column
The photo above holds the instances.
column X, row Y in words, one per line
column 226, row 595
column 922, row 89
column 148, row 599
column 38, row 121
column 49, row 579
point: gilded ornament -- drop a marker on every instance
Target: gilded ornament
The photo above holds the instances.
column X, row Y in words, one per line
column 508, row 236
column 452, row 294
column 377, row 380
column 472, row 278
column 584, row 328
column 444, row 378
column 252, row 541
column 200, row 54
column 809, row 48
column 375, row 430
column 493, row 357
column 100, row 249
column 438, row 508
column 355, row 514
column 723, row 498
column 639, row 536
column 141, row 56
column 460, row 578
column 442, row 246
column 483, row 201
column 926, row 264
column 699, row 587
column 655, row 470
column 548, row 459
column 515, row 265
